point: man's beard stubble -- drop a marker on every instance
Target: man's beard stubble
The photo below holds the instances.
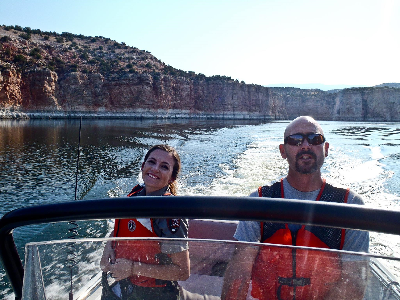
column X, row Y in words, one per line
column 307, row 169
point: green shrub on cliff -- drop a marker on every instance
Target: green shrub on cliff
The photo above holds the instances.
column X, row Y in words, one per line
column 35, row 53
column 26, row 36
column 19, row 58
column 4, row 68
column 73, row 68
column 20, row 61
column 56, row 64
column 201, row 76
column 7, row 52
column 105, row 66
column 5, row 39
column 84, row 55
column 51, row 65
column 68, row 36
column 168, row 70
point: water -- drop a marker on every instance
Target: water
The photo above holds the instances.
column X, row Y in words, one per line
column 38, row 164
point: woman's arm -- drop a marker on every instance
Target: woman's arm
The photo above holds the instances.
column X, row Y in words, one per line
column 108, row 257
column 178, row 270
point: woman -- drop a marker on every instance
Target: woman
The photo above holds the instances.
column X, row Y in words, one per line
column 149, row 269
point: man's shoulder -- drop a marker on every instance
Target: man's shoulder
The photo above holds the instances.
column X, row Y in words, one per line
column 248, row 231
column 254, row 194
column 336, row 186
column 273, row 184
column 353, row 197
column 263, row 188
column 272, row 191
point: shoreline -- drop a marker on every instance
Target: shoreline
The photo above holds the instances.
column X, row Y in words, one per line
column 12, row 114
column 140, row 115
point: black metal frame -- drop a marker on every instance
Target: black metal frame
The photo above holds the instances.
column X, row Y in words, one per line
column 191, row 207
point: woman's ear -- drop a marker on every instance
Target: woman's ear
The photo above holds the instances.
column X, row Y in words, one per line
column 142, row 166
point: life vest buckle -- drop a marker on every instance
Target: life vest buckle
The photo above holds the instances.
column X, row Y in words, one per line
column 295, row 281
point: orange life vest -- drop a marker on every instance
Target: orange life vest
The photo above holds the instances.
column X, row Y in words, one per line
column 141, row 251
column 290, row 273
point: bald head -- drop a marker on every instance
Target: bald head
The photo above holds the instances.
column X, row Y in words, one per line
column 303, row 124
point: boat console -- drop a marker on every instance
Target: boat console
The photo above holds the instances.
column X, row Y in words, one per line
column 70, row 268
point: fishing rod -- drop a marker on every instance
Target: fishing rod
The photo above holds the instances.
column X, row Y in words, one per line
column 77, row 160
column 74, row 228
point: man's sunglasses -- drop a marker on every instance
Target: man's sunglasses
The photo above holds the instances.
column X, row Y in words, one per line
column 298, row 139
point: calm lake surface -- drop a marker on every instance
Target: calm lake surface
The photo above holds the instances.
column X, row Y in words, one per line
column 38, row 160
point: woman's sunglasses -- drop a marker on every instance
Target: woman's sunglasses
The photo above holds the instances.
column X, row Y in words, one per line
column 298, row 139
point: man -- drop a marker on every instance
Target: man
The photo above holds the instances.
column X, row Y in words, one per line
column 289, row 273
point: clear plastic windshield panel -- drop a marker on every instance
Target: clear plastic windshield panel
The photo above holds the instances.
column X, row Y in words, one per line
column 218, row 269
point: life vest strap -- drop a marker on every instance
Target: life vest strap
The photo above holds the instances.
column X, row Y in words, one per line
column 297, row 281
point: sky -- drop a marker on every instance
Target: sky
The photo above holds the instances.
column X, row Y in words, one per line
column 302, row 43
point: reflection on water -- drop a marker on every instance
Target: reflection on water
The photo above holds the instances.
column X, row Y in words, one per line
column 38, row 163
column 38, row 158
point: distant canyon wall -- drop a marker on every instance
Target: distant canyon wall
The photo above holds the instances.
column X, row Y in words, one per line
column 354, row 104
column 44, row 91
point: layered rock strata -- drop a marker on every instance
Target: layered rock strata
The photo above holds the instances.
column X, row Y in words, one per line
column 51, row 75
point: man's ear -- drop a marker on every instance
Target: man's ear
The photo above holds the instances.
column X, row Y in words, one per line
column 282, row 151
column 142, row 166
column 326, row 148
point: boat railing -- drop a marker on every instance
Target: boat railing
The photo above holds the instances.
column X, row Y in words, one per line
column 191, row 207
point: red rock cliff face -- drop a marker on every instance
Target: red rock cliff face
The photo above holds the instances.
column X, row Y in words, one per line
column 44, row 90
column 10, row 89
column 44, row 72
column 38, row 90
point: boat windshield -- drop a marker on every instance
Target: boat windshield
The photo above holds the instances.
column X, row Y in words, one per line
column 59, row 269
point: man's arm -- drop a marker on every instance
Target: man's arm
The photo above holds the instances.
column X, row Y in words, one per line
column 238, row 273
column 355, row 270
column 354, row 273
column 353, row 281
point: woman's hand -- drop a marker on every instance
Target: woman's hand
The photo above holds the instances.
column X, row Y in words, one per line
column 121, row 269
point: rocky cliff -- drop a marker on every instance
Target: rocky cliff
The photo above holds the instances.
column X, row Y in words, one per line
column 355, row 104
column 44, row 73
